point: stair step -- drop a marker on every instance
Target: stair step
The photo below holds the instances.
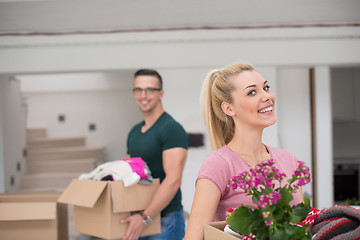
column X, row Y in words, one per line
column 35, row 133
column 47, row 180
column 65, row 153
column 38, row 144
column 58, row 166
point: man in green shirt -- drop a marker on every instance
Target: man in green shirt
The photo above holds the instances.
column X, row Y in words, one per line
column 162, row 143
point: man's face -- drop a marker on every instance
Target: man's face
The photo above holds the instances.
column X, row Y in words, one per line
column 147, row 93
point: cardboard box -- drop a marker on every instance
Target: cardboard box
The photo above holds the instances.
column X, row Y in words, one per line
column 215, row 231
column 33, row 216
column 100, row 205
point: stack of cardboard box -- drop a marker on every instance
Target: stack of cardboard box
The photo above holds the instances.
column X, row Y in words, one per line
column 98, row 208
column 33, row 215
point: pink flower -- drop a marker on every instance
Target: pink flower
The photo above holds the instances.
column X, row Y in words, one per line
column 269, row 223
column 261, row 204
column 260, row 177
column 266, row 172
column 302, row 182
column 277, row 196
column 268, row 182
column 266, row 214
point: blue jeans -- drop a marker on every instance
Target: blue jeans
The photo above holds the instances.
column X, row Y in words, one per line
column 172, row 227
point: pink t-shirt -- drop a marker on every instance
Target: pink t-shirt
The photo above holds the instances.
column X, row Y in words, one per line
column 221, row 165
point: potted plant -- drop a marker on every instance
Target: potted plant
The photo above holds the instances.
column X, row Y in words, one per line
column 353, row 202
column 272, row 217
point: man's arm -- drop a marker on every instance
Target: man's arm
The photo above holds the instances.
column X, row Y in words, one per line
column 173, row 164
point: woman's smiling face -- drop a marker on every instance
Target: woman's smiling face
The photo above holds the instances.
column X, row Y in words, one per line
column 253, row 102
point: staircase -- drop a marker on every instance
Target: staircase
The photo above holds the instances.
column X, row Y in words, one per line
column 53, row 162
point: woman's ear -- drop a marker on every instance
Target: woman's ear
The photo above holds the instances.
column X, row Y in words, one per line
column 227, row 109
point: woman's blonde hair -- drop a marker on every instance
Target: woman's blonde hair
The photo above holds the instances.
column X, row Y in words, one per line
column 216, row 89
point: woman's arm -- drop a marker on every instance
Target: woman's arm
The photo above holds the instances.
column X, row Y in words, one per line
column 301, row 194
column 206, row 201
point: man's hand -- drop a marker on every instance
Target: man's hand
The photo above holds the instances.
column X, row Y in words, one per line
column 135, row 228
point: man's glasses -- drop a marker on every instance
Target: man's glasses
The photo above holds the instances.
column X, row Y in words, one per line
column 138, row 91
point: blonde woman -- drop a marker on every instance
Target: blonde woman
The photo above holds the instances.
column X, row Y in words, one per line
column 237, row 106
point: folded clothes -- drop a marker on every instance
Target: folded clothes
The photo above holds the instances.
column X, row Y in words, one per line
column 228, row 230
column 138, row 166
column 128, row 170
column 337, row 222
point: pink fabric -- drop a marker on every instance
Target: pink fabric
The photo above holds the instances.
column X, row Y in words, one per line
column 137, row 165
column 224, row 163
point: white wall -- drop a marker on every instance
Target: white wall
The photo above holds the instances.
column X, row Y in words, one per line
column 104, row 99
column 77, row 82
column 211, row 48
column 324, row 143
column 2, row 111
column 294, row 115
column 13, row 133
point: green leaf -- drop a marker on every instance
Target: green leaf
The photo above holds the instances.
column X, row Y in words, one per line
column 241, row 220
column 279, row 233
column 307, row 202
column 282, row 213
column 262, row 235
column 300, row 212
column 285, row 199
column 255, row 198
column 259, row 227
column 306, row 237
column 294, row 232
column 278, row 214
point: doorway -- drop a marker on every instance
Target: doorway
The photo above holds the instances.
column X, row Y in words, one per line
column 345, row 86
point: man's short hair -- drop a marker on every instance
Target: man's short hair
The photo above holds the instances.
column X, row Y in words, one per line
column 149, row 72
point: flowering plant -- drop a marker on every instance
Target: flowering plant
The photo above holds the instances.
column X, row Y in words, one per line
column 273, row 217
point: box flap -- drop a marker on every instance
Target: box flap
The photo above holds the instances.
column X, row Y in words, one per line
column 37, row 196
column 27, row 211
column 134, row 198
column 215, row 231
column 83, row 193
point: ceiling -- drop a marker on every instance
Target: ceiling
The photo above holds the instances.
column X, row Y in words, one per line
column 89, row 16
